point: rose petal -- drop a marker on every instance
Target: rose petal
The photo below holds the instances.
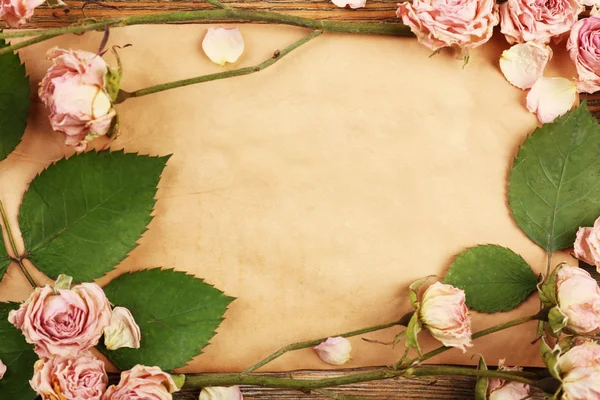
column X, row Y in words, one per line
column 335, row 350
column 523, row 64
column 221, row 393
column 2, row 369
column 351, row 3
column 122, row 330
column 223, row 45
column 550, row 98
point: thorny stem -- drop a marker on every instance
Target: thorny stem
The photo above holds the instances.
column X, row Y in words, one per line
column 123, row 95
column 13, row 245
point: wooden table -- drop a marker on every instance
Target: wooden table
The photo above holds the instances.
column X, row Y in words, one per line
column 455, row 388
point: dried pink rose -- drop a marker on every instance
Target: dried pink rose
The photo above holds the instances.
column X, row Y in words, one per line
column 524, row 63
column 549, row 98
column 462, row 24
column 351, row 3
column 584, row 50
column 580, row 372
column 63, row 322
column 18, row 12
column 335, row 350
column 2, row 369
column 221, row 393
column 64, row 378
column 587, row 244
column 122, row 331
column 444, row 313
column 499, row 389
column 223, row 45
column 75, row 91
column 537, row 21
column 578, row 298
column 142, row 383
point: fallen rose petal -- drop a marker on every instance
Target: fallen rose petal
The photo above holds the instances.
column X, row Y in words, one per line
column 351, row 3
column 221, row 393
column 122, row 330
column 2, row 369
column 550, row 98
column 523, row 64
column 223, row 45
column 335, row 350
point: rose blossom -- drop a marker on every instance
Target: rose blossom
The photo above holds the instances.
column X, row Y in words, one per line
column 537, row 20
column 580, row 372
column 142, row 383
column 63, row 322
column 587, row 244
column 122, row 331
column 2, row 369
column 335, row 350
column 221, row 393
column 81, row 378
column 75, row 91
column 578, row 298
column 17, row 12
column 450, row 23
column 444, row 313
column 583, row 47
column 500, row 389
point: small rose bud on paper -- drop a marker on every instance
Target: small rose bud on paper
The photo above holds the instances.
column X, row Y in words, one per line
column 18, row 12
column 550, row 98
column 223, row 45
column 523, row 64
column 122, row 331
column 142, row 382
column 500, row 389
column 587, row 245
column 351, row 3
column 580, row 372
column 2, row 369
column 335, row 350
column 583, row 47
column 444, row 313
column 578, row 297
column 221, row 393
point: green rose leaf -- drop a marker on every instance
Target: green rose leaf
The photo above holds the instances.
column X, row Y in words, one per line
column 18, row 356
column 83, row 215
column 494, row 278
column 554, row 185
column 177, row 315
column 14, row 101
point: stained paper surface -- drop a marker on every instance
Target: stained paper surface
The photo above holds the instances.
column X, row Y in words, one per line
column 316, row 190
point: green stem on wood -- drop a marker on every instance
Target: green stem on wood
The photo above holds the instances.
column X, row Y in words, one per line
column 25, row 43
column 13, row 245
column 123, row 95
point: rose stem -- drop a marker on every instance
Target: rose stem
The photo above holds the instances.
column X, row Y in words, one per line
column 13, row 245
column 228, row 14
column 123, row 95
column 25, row 43
column 303, row 345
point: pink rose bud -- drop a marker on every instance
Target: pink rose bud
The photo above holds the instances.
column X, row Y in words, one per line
column 221, row 393
column 81, row 378
column 351, row 3
column 499, row 389
column 223, row 45
column 438, row 24
column 122, row 331
column 18, row 12
column 335, row 350
column 2, row 369
column 524, row 63
column 583, row 47
column 537, row 21
column 142, row 383
column 444, row 313
column 580, row 372
column 549, row 98
column 76, row 92
column 63, row 322
column 578, row 298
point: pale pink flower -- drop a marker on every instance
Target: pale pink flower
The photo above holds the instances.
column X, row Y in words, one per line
column 142, row 383
column 444, row 313
column 223, row 45
column 462, row 24
column 549, row 98
column 335, row 350
column 524, row 63
column 63, row 322
column 584, row 50
column 578, row 298
column 587, row 245
column 64, row 378
column 500, row 389
column 221, row 393
column 537, row 21
column 351, row 3
column 580, row 372
column 18, row 12
column 2, row 369
column 122, row 331
column 74, row 89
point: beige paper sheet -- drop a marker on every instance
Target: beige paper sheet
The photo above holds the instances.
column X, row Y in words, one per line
column 315, row 191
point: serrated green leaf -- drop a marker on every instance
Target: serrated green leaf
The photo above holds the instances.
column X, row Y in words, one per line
column 494, row 278
column 481, row 387
column 18, row 356
column 554, row 185
column 82, row 216
column 14, row 101
column 177, row 315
